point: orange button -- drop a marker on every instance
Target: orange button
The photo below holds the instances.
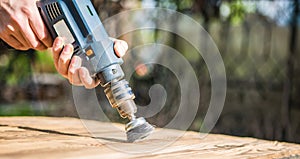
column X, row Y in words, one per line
column 89, row 52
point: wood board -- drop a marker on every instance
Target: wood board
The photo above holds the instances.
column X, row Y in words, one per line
column 48, row 137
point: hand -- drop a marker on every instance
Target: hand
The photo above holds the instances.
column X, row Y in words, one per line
column 70, row 67
column 21, row 25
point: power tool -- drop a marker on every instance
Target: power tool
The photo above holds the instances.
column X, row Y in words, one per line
column 79, row 24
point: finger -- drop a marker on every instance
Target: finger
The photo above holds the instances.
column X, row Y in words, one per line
column 40, row 46
column 120, row 47
column 28, row 34
column 64, row 59
column 13, row 42
column 56, row 49
column 23, row 22
column 39, row 28
column 75, row 79
column 12, row 32
column 86, row 79
column 73, row 74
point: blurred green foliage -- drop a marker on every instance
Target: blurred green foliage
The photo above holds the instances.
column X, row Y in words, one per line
column 17, row 66
column 238, row 12
column 16, row 75
column 44, row 62
column 235, row 11
column 15, row 69
column 19, row 109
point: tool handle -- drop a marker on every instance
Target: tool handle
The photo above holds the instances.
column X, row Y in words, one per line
column 78, row 22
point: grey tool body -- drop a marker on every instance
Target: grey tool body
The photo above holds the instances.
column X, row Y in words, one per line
column 78, row 22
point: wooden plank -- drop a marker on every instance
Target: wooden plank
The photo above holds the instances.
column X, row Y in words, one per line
column 45, row 137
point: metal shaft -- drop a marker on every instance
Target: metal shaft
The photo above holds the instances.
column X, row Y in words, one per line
column 121, row 97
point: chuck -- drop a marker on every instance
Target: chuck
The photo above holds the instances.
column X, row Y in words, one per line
column 121, row 97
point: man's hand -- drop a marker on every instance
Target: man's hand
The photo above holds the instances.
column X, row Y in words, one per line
column 21, row 25
column 70, row 67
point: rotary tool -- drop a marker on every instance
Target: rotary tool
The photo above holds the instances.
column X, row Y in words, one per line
column 79, row 24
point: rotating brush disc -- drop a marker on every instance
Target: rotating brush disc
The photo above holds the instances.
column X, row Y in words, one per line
column 138, row 129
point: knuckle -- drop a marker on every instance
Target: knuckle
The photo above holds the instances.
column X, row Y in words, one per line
column 71, row 74
column 27, row 10
column 9, row 28
column 40, row 47
column 62, row 73
column 72, row 82
column 44, row 37
column 22, row 48
column 63, row 59
column 34, row 42
column 75, row 82
column 88, row 86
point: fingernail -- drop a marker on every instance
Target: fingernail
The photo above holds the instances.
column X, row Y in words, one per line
column 125, row 45
column 121, row 50
column 68, row 49
column 59, row 42
column 77, row 62
column 83, row 73
column 75, row 65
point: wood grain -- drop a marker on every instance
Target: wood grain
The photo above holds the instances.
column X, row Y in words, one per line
column 45, row 137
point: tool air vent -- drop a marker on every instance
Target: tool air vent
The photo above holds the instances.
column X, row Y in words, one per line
column 53, row 10
column 77, row 50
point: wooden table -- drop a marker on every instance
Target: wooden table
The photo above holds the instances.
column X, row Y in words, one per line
column 45, row 137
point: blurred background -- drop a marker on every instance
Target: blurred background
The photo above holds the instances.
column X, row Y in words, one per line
column 258, row 41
